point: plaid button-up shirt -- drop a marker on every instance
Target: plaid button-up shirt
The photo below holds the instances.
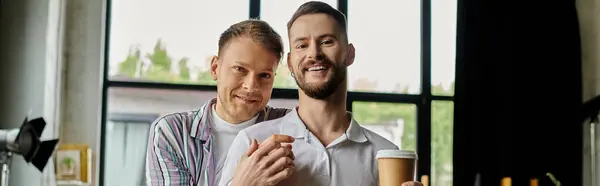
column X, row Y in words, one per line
column 180, row 147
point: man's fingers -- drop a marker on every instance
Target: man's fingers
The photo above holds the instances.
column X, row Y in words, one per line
column 278, row 177
column 279, row 165
column 287, row 145
column 280, row 138
column 265, row 148
column 276, row 154
column 253, row 147
column 291, row 154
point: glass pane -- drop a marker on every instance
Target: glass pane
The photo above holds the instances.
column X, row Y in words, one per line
column 387, row 38
column 443, row 46
column 126, row 144
column 395, row 122
column 277, row 13
column 442, row 125
column 168, row 41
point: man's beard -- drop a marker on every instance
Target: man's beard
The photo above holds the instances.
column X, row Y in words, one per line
column 322, row 91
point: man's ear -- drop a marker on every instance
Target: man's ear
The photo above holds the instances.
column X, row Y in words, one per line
column 214, row 67
column 351, row 55
column 289, row 63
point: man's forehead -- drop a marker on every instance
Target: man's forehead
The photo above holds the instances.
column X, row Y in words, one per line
column 248, row 54
column 314, row 24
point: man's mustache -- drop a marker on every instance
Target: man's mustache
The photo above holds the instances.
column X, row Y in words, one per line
column 325, row 62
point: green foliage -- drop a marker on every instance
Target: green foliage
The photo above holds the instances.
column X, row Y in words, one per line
column 159, row 58
column 283, row 78
column 160, row 68
column 443, row 92
column 204, row 78
column 184, row 71
column 442, row 115
column 68, row 161
column 371, row 113
column 129, row 66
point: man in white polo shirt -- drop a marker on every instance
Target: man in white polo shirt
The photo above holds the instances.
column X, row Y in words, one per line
column 330, row 147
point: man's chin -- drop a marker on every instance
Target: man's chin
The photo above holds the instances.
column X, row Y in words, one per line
column 317, row 93
column 318, row 90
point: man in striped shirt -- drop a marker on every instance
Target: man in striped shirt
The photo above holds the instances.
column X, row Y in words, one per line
column 189, row 148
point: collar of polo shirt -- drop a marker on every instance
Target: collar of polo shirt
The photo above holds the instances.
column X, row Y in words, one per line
column 293, row 126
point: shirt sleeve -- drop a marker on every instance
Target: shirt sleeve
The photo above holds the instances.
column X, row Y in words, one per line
column 164, row 166
column 238, row 148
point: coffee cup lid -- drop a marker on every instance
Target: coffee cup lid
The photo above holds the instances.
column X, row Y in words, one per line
column 394, row 153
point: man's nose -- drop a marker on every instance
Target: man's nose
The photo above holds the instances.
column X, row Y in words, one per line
column 251, row 84
column 314, row 52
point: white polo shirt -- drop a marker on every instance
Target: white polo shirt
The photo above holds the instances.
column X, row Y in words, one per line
column 349, row 160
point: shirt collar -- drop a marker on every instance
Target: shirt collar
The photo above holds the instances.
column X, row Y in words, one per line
column 355, row 131
column 201, row 123
column 293, row 126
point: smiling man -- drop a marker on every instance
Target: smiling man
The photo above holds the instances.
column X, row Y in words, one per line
column 330, row 147
column 189, row 148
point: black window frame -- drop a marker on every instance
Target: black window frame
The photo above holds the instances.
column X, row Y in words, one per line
column 422, row 100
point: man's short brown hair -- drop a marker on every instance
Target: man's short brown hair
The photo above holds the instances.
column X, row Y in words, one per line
column 317, row 7
column 259, row 31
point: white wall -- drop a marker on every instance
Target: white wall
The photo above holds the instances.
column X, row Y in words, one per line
column 589, row 20
column 30, row 43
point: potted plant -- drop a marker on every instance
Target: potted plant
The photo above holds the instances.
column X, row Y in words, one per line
column 68, row 165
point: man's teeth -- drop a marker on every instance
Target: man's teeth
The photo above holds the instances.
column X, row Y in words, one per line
column 316, row 68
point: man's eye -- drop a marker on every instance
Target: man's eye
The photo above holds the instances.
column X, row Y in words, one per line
column 239, row 69
column 327, row 42
column 301, row 46
column 265, row 75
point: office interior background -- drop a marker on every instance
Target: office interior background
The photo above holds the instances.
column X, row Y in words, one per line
column 482, row 90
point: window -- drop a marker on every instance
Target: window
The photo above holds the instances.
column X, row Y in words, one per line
column 443, row 46
column 168, row 41
column 126, row 146
column 400, row 85
column 442, row 119
column 387, row 38
column 395, row 122
column 443, row 56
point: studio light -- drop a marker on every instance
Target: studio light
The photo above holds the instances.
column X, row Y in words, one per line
column 25, row 141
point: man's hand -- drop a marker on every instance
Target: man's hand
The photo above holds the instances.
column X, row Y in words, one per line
column 265, row 164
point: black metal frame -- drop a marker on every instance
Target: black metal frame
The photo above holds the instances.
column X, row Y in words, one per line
column 422, row 100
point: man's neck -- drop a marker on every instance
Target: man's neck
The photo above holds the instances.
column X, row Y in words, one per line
column 327, row 119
